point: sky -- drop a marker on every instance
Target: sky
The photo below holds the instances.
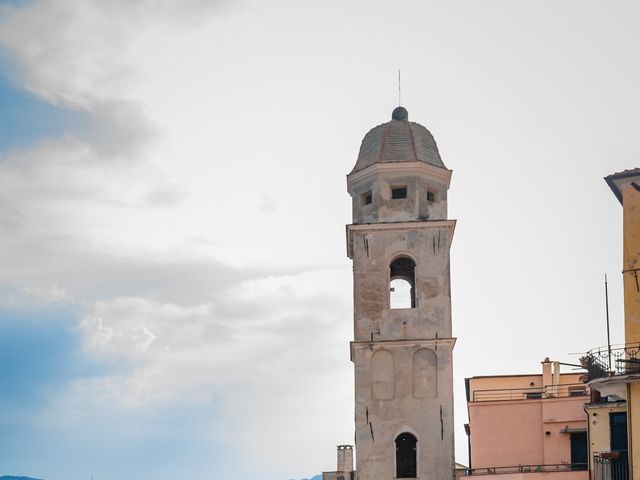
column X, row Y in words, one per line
column 175, row 296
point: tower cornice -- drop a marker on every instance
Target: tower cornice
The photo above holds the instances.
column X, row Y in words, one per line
column 414, row 342
column 396, row 227
column 440, row 174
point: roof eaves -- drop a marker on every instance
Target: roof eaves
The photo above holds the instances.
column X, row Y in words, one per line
column 610, row 179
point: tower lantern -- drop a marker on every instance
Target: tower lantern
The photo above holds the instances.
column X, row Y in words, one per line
column 399, row 242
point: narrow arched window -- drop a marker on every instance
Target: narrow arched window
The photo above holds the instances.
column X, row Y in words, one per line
column 406, row 456
column 402, row 280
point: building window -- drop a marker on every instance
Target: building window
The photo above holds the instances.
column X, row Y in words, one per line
column 618, row 431
column 577, row 391
column 399, row 192
column 406, row 456
column 402, row 283
column 579, row 451
column 367, row 198
column 431, row 197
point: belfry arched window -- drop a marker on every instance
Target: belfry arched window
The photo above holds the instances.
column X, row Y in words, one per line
column 406, row 455
column 402, row 280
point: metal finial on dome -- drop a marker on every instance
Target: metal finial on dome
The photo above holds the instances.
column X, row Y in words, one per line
column 400, row 113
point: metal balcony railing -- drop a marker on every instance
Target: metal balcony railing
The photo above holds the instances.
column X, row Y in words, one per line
column 556, row 467
column 531, row 393
column 617, row 360
column 611, row 466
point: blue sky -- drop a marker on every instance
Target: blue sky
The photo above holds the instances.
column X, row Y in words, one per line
column 40, row 345
column 175, row 298
column 25, row 119
column 44, row 352
column 41, row 352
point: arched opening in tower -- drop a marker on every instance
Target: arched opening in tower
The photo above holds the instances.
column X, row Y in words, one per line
column 402, row 283
column 406, row 456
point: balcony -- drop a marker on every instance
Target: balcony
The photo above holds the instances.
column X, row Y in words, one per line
column 530, row 393
column 612, row 361
column 516, row 470
column 611, row 466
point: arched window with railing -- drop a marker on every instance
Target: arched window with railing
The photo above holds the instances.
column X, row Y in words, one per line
column 402, row 280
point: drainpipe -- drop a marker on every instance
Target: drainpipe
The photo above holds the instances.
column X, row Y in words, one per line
column 467, row 430
column 589, row 452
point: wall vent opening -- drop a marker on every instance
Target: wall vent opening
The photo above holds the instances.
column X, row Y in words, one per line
column 399, row 192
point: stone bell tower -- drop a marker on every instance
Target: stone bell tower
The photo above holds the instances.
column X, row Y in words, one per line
column 399, row 242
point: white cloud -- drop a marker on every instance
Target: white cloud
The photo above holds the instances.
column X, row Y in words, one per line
column 105, row 218
column 228, row 335
column 273, row 348
column 50, row 294
column 82, row 53
column 189, row 215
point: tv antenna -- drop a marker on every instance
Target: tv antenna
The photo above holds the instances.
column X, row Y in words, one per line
column 399, row 89
column 606, row 303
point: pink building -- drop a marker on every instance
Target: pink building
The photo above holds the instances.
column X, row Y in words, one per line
column 528, row 426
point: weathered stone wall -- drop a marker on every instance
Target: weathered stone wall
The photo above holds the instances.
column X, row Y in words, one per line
column 373, row 248
column 429, row 417
column 426, row 195
column 403, row 357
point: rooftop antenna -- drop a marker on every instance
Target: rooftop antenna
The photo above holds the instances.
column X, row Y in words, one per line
column 606, row 302
column 399, row 89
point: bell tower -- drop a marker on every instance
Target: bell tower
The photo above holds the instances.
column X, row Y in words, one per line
column 399, row 242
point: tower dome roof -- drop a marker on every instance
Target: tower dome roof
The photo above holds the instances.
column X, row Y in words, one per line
column 398, row 140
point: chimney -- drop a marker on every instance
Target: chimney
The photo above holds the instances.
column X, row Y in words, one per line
column 556, row 373
column 345, row 461
column 547, row 377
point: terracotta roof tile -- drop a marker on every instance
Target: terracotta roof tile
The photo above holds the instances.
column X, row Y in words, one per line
column 398, row 141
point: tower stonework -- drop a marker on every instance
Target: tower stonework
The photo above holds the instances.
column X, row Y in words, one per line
column 399, row 242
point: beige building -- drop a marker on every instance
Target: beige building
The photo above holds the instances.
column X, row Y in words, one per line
column 402, row 350
column 614, row 371
column 607, row 429
column 528, row 424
